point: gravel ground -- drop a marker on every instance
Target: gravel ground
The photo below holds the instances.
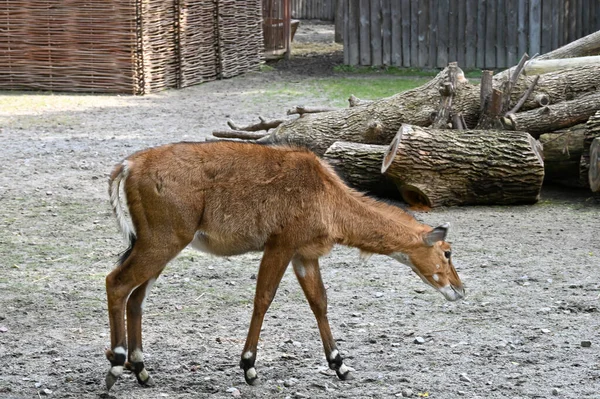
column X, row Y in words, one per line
column 531, row 273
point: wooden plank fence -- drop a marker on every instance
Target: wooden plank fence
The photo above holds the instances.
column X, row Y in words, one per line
column 476, row 33
column 314, row 9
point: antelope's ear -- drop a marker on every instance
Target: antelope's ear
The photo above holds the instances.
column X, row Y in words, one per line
column 437, row 234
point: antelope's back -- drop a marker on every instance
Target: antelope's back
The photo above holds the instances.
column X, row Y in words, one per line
column 240, row 192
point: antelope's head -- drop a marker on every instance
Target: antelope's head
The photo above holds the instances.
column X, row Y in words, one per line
column 432, row 261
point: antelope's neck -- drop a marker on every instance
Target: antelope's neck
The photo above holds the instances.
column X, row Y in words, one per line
column 376, row 227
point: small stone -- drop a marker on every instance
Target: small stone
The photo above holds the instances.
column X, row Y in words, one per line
column 3, row 329
column 234, row 392
column 48, row 193
column 586, row 344
column 545, row 331
column 407, row 393
column 465, row 378
column 420, row 290
column 290, row 382
column 378, row 294
column 46, row 392
column 301, row 395
column 419, row 340
column 555, row 391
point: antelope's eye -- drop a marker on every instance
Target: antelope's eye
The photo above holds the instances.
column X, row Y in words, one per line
column 447, row 254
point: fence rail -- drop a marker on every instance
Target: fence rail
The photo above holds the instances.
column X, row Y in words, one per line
column 476, row 33
column 314, row 9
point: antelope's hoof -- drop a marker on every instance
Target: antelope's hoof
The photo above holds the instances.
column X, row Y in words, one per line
column 112, row 376
column 344, row 373
column 145, row 379
column 250, row 376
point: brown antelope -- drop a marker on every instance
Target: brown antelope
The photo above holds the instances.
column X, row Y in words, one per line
column 228, row 198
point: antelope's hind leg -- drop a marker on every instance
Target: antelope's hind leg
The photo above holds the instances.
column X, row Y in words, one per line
column 135, row 307
column 309, row 276
column 126, row 287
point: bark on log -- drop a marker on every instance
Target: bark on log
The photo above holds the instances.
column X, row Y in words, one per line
column 448, row 167
column 587, row 45
column 562, row 153
column 592, row 131
column 594, row 172
column 319, row 131
column 538, row 66
column 553, row 117
column 360, row 166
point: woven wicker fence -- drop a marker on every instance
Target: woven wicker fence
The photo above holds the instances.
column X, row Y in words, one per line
column 126, row 46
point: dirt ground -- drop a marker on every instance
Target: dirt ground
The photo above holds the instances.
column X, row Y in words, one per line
column 532, row 275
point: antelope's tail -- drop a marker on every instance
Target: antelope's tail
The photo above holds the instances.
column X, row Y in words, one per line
column 118, row 201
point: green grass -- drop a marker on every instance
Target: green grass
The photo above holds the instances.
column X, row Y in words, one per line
column 338, row 89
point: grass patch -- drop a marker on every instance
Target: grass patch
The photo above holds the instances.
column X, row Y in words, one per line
column 338, row 89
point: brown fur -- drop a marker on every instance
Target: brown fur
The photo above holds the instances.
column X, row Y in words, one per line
column 237, row 197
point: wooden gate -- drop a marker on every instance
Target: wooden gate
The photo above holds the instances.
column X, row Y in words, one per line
column 277, row 29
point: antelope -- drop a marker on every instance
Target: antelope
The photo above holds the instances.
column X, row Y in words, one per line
column 229, row 198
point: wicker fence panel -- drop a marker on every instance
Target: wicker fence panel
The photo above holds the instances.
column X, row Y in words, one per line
column 197, row 41
column 127, row 46
column 160, row 55
column 79, row 45
column 240, row 36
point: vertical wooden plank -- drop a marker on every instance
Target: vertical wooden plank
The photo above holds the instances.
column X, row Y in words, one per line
column 546, row 35
column 580, row 12
column 386, row 31
column 523, row 27
column 511, row 33
column 501, row 32
column 364, row 32
column 424, row 33
column 453, row 31
column 375, row 23
column 414, row 34
column 461, row 24
column 535, row 28
column 433, row 27
column 555, row 29
column 346, row 30
column 405, row 15
column 397, row 37
column 353, row 32
column 585, row 23
column 471, row 14
column 481, row 29
column 490, row 35
column 442, row 33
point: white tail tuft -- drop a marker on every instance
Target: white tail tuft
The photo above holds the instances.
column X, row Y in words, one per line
column 119, row 202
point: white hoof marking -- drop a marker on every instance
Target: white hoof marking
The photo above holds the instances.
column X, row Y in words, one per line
column 116, row 371
column 136, row 356
column 343, row 369
column 333, row 355
column 251, row 373
column 119, row 350
column 144, row 375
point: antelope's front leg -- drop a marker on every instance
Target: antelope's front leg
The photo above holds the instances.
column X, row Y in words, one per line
column 309, row 276
column 270, row 272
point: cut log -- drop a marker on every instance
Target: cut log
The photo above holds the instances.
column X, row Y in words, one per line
column 592, row 131
column 449, row 167
column 554, row 117
column 587, row 45
column 538, row 66
column 562, row 153
column 319, row 131
column 360, row 166
column 594, row 171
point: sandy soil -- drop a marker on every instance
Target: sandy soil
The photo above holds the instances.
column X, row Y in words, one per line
column 532, row 275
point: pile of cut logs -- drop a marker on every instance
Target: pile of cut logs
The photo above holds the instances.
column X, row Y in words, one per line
column 450, row 142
